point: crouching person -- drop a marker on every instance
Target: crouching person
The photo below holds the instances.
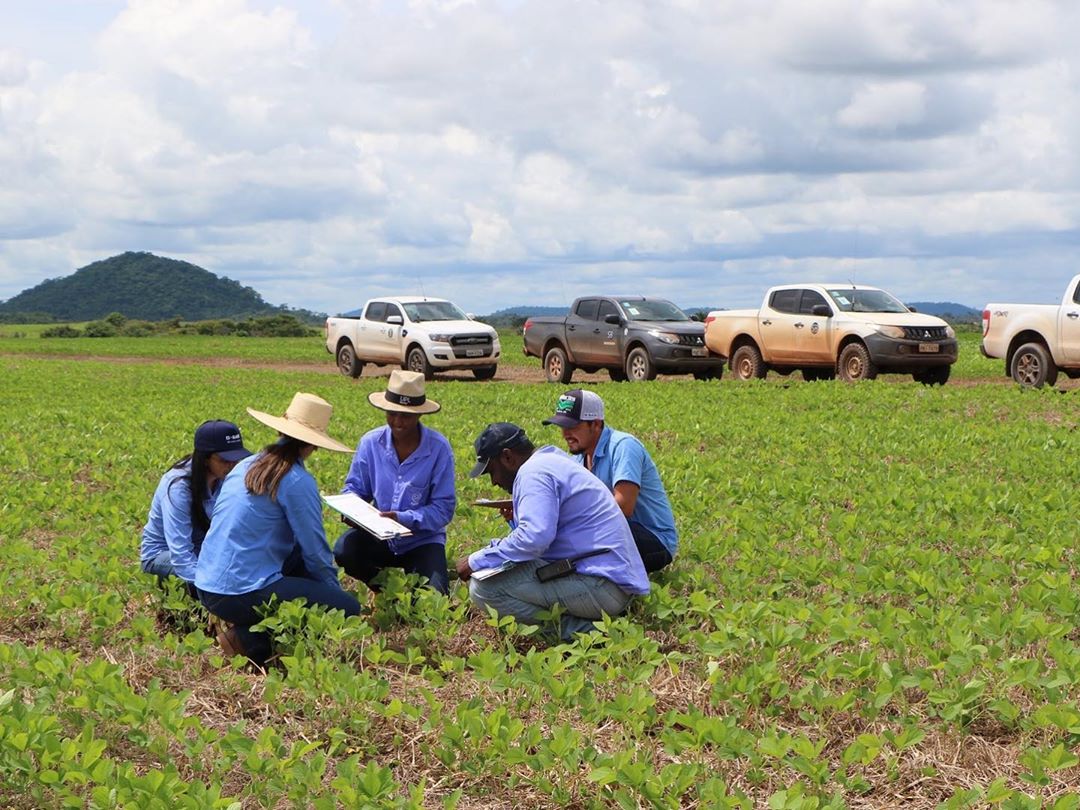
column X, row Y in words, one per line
column 268, row 516
column 571, row 544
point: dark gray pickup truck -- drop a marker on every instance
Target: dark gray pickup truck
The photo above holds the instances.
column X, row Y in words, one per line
column 634, row 338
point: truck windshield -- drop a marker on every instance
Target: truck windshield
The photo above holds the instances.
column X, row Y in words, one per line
column 849, row 300
column 433, row 311
column 655, row 309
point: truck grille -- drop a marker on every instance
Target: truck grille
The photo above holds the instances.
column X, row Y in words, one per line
column 471, row 345
column 924, row 332
column 691, row 340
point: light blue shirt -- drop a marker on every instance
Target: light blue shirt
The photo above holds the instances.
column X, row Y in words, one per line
column 562, row 512
column 621, row 457
column 251, row 536
column 419, row 489
column 169, row 527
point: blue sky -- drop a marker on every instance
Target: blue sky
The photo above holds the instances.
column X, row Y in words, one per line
column 500, row 153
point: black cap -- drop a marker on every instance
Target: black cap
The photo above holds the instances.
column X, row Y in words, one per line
column 496, row 437
column 221, row 437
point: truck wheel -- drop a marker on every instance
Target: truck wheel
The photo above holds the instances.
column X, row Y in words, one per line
column 557, row 368
column 417, row 361
column 639, row 366
column 347, row 362
column 747, row 364
column 938, row 375
column 484, row 372
column 1032, row 366
column 854, row 364
column 617, row 374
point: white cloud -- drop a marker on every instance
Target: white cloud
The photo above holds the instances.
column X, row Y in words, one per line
column 699, row 150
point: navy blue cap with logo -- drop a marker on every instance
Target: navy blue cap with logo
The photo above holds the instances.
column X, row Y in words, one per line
column 494, row 439
column 221, row 437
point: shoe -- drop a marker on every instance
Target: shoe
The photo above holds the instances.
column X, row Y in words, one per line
column 229, row 641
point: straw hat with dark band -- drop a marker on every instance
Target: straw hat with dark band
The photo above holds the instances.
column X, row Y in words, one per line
column 404, row 394
column 306, row 419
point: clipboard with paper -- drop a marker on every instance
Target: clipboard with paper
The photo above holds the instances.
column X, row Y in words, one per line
column 360, row 513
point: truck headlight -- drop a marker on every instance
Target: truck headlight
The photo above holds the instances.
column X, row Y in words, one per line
column 895, row 332
column 439, row 338
column 666, row 337
column 950, row 332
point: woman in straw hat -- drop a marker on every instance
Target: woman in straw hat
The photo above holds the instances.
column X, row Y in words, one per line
column 268, row 516
column 407, row 472
column 184, row 498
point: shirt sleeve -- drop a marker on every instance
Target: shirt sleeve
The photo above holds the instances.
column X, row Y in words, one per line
column 627, row 462
column 536, row 508
column 437, row 512
column 176, row 523
column 359, row 479
column 299, row 499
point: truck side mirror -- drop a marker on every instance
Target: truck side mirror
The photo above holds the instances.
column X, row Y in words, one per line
column 821, row 311
column 394, row 319
column 911, row 309
column 612, row 318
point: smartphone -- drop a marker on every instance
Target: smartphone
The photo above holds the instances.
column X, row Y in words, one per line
column 554, row 570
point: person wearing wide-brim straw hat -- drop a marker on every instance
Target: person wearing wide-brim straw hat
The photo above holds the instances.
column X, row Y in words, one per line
column 407, row 471
column 266, row 535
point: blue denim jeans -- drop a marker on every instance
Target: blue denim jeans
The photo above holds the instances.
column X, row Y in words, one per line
column 241, row 610
column 520, row 594
column 653, row 554
column 362, row 556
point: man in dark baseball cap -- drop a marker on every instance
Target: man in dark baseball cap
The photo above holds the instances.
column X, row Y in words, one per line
column 494, row 439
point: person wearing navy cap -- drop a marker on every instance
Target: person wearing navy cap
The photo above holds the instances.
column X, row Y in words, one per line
column 570, row 543
column 184, row 499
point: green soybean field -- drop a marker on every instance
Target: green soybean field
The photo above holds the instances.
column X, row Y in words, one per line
column 874, row 603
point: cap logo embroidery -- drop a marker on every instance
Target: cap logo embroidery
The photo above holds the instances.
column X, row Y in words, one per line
column 564, row 405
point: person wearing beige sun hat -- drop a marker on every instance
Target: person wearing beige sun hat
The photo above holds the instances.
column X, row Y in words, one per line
column 266, row 535
column 406, row 471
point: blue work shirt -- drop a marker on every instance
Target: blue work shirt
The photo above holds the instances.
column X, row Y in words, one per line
column 168, row 526
column 564, row 511
column 251, row 536
column 419, row 489
column 621, row 457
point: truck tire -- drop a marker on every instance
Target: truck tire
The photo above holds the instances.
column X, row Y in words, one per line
column 347, row 361
column 557, row 368
column 484, row 372
column 747, row 363
column 617, row 374
column 936, row 375
column 854, row 364
column 1032, row 366
column 416, row 360
column 639, row 365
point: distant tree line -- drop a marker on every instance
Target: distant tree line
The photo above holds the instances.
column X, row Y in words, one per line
column 116, row 325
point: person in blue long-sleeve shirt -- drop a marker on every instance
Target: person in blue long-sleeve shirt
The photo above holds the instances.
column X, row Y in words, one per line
column 266, row 535
column 562, row 512
column 180, row 511
column 407, row 471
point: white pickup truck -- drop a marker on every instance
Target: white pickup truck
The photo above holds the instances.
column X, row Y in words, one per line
column 416, row 333
column 828, row 330
column 1035, row 340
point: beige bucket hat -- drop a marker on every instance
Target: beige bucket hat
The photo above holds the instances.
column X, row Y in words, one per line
column 306, row 419
column 404, row 394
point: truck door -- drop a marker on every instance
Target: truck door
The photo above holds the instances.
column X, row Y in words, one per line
column 367, row 341
column 582, row 331
column 1069, row 327
column 813, row 343
column 390, row 334
column 609, row 335
column 777, row 325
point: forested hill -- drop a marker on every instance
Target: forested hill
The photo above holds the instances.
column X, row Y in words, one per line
column 143, row 286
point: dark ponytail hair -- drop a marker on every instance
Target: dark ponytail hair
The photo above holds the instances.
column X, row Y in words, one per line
column 265, row 473
column 195, row 480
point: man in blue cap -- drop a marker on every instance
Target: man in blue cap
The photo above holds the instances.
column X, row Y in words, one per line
column 570, row 544
column 624, row 465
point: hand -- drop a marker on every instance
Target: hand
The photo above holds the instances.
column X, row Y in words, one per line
column 507, row 512
column 391, row 515
column 463, row 569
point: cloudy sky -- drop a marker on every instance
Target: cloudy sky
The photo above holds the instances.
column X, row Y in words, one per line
column 502, row 152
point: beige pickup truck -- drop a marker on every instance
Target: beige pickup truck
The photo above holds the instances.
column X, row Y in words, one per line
column 1035, row 340
column 828, row 330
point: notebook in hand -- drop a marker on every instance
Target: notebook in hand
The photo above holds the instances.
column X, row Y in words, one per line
column 366, row 516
